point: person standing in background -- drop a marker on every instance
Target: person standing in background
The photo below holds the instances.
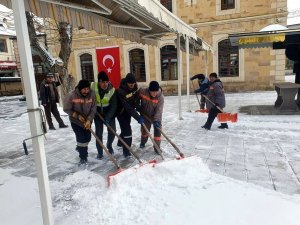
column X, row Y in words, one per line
column 203, row 87
column 49, row 96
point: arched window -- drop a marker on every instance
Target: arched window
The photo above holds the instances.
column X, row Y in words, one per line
column 168, row 62
column 228, row 58
column 137, row 64
column 86, row 65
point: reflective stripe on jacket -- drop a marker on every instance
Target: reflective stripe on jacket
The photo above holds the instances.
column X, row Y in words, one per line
column 152, row 106
column 75, row 102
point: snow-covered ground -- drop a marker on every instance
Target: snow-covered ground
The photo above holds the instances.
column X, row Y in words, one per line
column 199, row 189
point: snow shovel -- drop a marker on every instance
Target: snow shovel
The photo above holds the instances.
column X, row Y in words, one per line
column 167, row 138
column 223, row 117
column 199, row 110
column 121, row 139
column 153, row 141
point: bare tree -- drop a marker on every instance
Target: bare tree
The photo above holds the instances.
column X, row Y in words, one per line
column 65, row 38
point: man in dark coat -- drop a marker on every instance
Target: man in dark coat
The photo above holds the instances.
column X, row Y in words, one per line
column 128, row 103
column 49, row 96
column 80, row 105
column 217, row 96
column 106, row 100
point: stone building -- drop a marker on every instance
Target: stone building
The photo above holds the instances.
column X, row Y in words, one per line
column 240, row 69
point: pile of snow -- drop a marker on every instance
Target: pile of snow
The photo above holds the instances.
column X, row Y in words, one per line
column 173, row 192
column 20, row 203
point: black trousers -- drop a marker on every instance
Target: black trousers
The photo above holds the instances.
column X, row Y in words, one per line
column 144, row 135
column 212, row 114
column 51, row 107
column 83, row 137
column 126, row 132
column 110, row 135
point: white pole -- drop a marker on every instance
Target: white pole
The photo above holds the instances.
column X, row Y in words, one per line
column 187, row 50
column 179, row 76
column 206, row 63
column 33, row 112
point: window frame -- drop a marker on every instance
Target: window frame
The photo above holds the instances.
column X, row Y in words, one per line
column 216, row 38
column 221, row 12
column 92, row 75
column 5, row 49
column 225, row 5
column 228, row 55
column 144, row 65
column 168, row 4
column 169, row 63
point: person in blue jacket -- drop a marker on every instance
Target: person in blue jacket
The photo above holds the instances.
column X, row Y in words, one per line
column 203, row 87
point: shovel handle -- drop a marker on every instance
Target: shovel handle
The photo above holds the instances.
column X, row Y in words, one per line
column 196, row 93
column 153, row 141
column 121, row 139
column 105, row 149
column 163, row 133
column 213, row 103
column 172, row 143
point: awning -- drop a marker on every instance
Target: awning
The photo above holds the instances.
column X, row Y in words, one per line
column 140, row 21
column 273, row 39
column 8, row 65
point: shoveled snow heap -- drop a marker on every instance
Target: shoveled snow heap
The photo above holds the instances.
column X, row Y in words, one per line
column 173, row 192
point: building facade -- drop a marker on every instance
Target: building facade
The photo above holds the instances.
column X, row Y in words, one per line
column 239, row 69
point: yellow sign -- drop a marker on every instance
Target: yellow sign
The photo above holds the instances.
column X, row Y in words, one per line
column 263, row 39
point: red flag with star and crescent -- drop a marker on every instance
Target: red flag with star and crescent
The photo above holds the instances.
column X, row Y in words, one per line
column 108, row 59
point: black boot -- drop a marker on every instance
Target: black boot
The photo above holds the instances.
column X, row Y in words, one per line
column 110, row 149
column 52, row 127
column 205, row 127
column 223, row 126
column 63, row 126
column 142, row 145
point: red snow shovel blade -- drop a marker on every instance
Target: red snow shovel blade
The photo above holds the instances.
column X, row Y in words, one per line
column 202, row 110
column 227, row 117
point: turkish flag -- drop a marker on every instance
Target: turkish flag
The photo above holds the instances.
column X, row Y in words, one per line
column 108, row 59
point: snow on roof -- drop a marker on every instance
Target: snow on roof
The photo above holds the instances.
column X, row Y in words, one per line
column 4, row 9
column 274, row 27
column 6, row 31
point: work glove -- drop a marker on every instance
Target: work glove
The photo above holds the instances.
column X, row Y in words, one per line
column 141, row 120
column 79, row 117
column 157, row 124
column 87, row 124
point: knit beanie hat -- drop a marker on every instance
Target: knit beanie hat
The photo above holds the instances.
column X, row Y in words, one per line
column 102, row 76
column 83, row 84
column 130, row 78
column 153, row 86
